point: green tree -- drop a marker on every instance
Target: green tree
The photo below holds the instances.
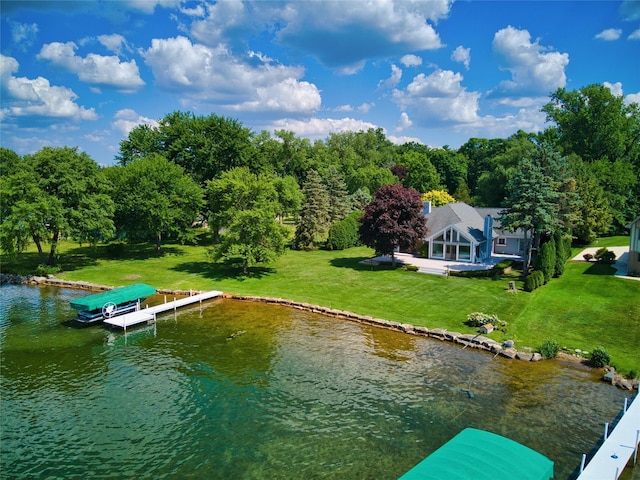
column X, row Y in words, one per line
column 253, row 236
column 532, row 201
column 155, row 199
column 203, row 146
column 53, row 194
column 393, row 220
column 604, row 131
column 339, row 202
column 593, row 213
column 289, row 196
column 421, row 174
column 315, row 219
column 546, row 259
column 451, row 166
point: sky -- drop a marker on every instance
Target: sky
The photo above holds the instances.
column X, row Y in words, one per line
column 83, row 73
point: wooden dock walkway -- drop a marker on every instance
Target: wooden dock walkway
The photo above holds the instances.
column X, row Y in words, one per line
column 619, row 445
column 149, row 313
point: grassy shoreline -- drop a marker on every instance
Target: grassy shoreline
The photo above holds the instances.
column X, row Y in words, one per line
column 585, row 308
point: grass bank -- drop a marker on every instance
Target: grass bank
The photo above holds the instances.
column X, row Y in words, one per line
column 585, row 308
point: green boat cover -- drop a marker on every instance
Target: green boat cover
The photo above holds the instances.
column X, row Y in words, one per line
column 479, row 455
column 120, row 295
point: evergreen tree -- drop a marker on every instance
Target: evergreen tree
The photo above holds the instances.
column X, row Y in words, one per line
column 546, row 259
column 315, row 219
column 339, row 203
column 532, row 202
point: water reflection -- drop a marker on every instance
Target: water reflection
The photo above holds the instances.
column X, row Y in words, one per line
column 294, row 395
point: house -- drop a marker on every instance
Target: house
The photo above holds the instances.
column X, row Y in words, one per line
column 460, row 232
column 633, row 266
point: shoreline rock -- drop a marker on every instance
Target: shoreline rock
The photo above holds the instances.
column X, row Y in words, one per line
column 478, row 342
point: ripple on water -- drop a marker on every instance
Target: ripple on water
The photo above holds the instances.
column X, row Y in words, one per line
column 295, row 396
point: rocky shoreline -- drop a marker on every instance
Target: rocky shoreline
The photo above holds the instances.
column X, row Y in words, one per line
column 467, row 340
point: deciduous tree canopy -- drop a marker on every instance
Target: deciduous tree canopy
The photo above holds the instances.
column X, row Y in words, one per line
column 393, row 220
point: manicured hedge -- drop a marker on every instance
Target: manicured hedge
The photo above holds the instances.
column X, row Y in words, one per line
column 534, row 280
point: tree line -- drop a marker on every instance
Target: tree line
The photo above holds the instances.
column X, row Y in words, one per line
column 579, row 177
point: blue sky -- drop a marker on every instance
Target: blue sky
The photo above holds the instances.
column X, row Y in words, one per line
column 83, row 73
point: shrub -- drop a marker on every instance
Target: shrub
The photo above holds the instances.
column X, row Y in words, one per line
column 546, row 259
column 605, row 255
column 599, row 357
column 534, row 280
column 588, row 257
column 344, row 233
column 477, row 319
column 45, row 270
column 549, row 349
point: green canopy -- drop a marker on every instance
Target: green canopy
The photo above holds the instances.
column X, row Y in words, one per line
column 479, row 455
column 120, row 295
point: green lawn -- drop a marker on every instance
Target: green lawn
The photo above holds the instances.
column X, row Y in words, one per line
column 584, row 308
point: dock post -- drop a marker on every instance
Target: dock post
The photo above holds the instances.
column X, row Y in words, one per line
column 165, row 299
column 584, row 459
column 635, row 448
column 606, row 430
column 175, row 310
column 626, row 402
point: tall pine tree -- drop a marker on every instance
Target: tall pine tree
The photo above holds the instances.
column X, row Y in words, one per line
column 314, row 222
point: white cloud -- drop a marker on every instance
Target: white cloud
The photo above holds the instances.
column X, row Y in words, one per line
column 609, row 35
column 401, row 140
column 127, row 119
column 404, row 122
column 197, row 11
column 393, row 80
column 343, row 108
column 37, row 97
column 635, row 35
column 534, row 69
column 94, row 69
column 115, row 43
column 366, row 107
column 223, row 21
column 195, row 71
column 462, row 55
column 438, row 97
column 632, row 98
column 320, row 128
column 23, row 34
column 411, row 60
column 614, row 88
column 341, row 34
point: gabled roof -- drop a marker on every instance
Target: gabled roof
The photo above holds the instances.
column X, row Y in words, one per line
column 460, row 215
column 496, row 214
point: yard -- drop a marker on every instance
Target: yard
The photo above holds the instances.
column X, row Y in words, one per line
column 585, row 308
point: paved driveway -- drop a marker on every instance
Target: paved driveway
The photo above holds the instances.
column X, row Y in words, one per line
column 622, row 259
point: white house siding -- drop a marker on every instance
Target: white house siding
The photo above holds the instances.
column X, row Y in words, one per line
column 508, row 246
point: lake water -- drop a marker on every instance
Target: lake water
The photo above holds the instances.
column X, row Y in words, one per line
column 250, row 391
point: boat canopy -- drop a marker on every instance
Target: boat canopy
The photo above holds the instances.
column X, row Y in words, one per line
column 120, row 295
column 479, row 455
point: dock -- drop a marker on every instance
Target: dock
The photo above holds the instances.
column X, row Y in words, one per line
column 621, row 444
column 149, row 314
